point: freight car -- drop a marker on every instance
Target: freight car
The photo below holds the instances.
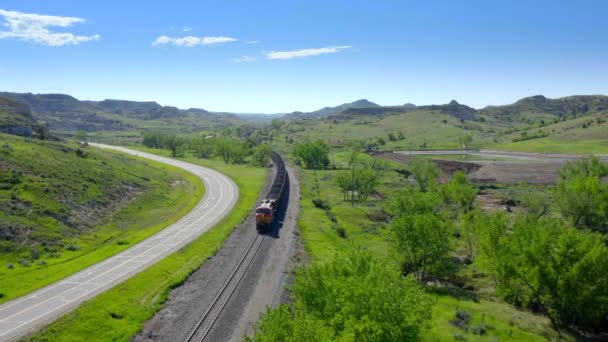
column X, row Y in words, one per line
column 266, row 212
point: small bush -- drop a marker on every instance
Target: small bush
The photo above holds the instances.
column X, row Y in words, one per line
column 54, row 255
column 463, row 316
column 72, row 247
column 321, row 204
column 24, row 263
column 331, row 216
column 10, row 266
column 34, row 254
column 41, row 263
column 479, row 330
column 341, row 231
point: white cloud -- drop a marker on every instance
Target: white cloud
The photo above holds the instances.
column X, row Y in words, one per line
column 305, row 52
column 34, row 28
column 186, row 29
column 244, row 59
column 252, row 42
column 190, row 41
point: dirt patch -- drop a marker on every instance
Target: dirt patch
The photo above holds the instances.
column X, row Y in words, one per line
column 501, row 172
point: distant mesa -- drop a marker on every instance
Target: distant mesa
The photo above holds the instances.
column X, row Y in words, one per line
column 16, row 118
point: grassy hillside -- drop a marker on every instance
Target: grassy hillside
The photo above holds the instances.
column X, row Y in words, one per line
column 65, row 207
column 418, row 126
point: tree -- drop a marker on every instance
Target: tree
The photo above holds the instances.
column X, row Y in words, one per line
column 175, row 144
column 465, row 141
column 153, row 139
column 581, row 195
column 425, row 173
column 459, row 192
column 424, row 241
column 314, row 155
column 349, row 298
column 261, row 155
column 203, row 147
column 400, row 136
column 561, row 271
column 231, row 150
column 392, row 137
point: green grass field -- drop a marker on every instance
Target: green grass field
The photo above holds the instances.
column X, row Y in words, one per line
column 119, row 313
column 364, row 226
column 50, row 201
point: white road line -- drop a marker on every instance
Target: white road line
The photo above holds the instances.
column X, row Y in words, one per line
column 23, row 315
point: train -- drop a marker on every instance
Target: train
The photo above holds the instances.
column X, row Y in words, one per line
column 266, row 212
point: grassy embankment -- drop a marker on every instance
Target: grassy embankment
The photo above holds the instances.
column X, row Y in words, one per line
column 63, row 210
column 119, row 313
column 364, row 226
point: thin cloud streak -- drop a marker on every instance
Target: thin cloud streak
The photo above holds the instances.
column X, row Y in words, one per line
column 33, row 27
column 305, row 52
column 191, row 41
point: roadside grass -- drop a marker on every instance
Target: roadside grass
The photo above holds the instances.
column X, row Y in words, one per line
column 365, row 227
column 167, row 193
column 118, row 314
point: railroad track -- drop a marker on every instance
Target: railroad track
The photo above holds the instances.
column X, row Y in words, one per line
column 205, row 324
column 209, row 318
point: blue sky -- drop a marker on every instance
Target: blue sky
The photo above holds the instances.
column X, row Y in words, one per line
column 281, row 56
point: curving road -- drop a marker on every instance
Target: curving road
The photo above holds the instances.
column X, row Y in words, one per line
column 25, row 314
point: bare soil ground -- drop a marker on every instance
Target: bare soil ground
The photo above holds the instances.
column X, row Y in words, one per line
column 501, row 172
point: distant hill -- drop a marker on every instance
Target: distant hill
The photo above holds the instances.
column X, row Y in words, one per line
column 453, row 108
column 65, row 113
column 327, row 111
column 16, row 118
column 571, row 105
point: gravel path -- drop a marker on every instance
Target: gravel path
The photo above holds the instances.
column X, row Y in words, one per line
column 262, row 286
column 25, row 314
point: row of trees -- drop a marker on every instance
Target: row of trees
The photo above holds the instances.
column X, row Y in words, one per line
column 230, row 150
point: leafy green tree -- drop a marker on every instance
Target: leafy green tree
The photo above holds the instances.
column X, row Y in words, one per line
column 536, row 203
column 581, row 195
column 425, row 173
column 561, row 271
column 153, row 139
column 175, row 144
column 232, row 151
column 400, row 136
column 424, row 241
column 314, row 155
column 459, row 192
column 350, row 298
column 203, row 147
column 261, row 155
column 465, row 141
column 392, row 137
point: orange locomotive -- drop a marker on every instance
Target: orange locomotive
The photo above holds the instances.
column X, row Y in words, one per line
column 265, row 213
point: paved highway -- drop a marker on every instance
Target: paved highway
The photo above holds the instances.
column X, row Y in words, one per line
column 25, row 314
